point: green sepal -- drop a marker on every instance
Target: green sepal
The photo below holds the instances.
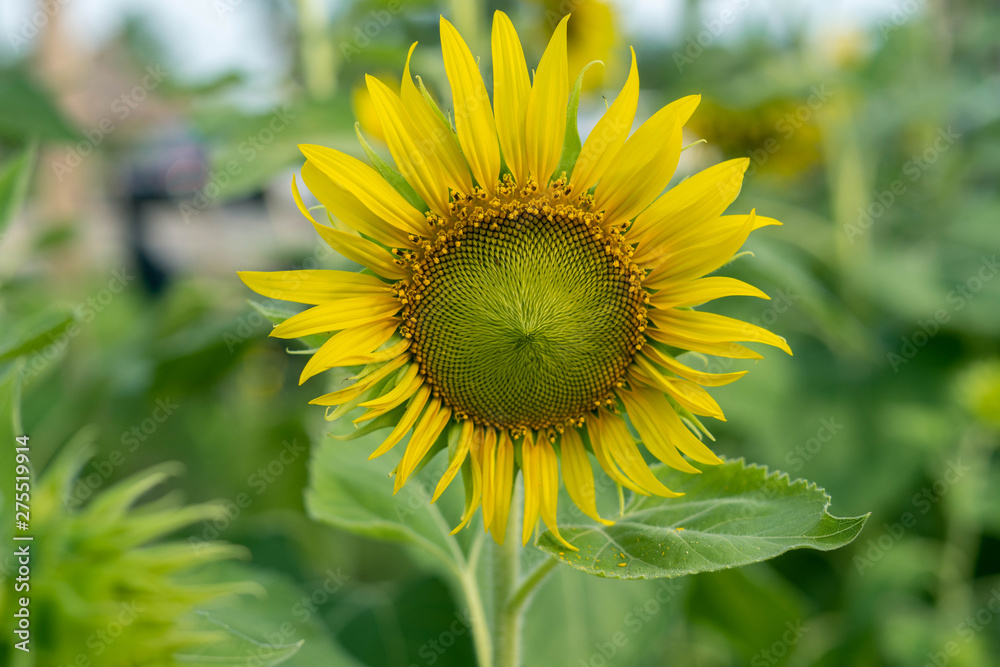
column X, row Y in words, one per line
column 394, row 178
column 430, row 100
column 571, row 142
column 738, row 256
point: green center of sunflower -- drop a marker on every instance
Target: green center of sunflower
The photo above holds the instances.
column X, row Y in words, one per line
column 523, row 312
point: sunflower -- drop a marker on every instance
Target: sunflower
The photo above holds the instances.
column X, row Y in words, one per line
column 525, row 298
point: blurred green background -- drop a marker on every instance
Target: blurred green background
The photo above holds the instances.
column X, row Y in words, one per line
column 145, row 155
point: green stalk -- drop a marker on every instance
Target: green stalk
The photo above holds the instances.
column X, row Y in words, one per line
column 511, row 596
column 506, row 572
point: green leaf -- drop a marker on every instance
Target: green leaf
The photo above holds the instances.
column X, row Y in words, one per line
column 290, row 614
column 14, row 177
column 27, row 110
column 35, row 333
column 236, row 649
column 731, row 515
column 10, row 428
column 350, row 492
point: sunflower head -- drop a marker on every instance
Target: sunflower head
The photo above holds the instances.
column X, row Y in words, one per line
column 104, row 588
column 526, row 297
column 525, row 313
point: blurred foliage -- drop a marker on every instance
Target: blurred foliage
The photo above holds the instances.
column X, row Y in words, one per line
column 880, row 151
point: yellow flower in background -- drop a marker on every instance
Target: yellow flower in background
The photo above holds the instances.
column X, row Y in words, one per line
column 591, row 35
column 525, row 300
column 780, row 137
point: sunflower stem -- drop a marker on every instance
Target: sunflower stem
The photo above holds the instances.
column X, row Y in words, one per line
column 506, row 566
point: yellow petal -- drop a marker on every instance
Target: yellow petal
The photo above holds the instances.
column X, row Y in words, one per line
column 362, row 251
column 406, row 422
column 402, row 389
column 695, row 260
column 418, row 164
column 511, row 87
column 427, row 431
column 343, row 314
column 407, row 386
column 367, row 185
column 677, row 368
column 608, row 136
column 545, row 123
column 578, row 475
column 377, row 356
column 598, row 440
column 346, row 207
column 314, row 286
column 299, row 203
column 681, row 435
column 687, row 211
column 625, row 453
column 649, row 424
column 725, row 221
column 434, row 134
column 683, row 236
column 503, row 486
column 486, row 460
column 711, row 328
column 686, row 342
column 341, row 348
column 457, row 459
column 645, row 164
column 532, row 486
column 686, row 393
column 699, row 291
column 548, row 475
column 474, row 123
column 362, row 385
column 472, row 499
column 673, row 428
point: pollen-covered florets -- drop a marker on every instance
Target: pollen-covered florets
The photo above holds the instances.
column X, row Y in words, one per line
column 523, row 309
